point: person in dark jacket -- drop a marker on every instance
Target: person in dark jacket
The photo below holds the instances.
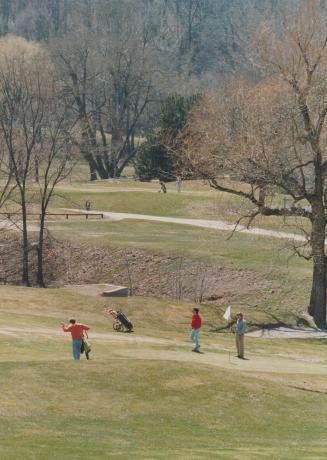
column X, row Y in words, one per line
column 196, row 326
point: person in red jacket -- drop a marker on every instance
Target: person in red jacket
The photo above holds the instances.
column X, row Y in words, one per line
column 196, row 326
column 77, row 332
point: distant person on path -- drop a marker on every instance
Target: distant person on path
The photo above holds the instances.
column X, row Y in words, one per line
column 196, row 326
column 163, row 188
column 88, row 205
column 240, row 329
column 77, row 332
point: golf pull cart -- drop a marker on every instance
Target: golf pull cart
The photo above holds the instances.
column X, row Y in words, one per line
column 122, row 323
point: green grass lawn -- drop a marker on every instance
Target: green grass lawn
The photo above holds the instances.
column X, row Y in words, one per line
column 148, row 409
column 141, row 400
column 142, row 202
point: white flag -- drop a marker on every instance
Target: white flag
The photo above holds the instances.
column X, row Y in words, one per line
column 227, row 315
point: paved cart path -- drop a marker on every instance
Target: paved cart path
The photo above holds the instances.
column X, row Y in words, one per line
column 212, row 224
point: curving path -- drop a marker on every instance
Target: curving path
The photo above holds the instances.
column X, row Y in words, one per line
column 5, row 224
column 212, row 224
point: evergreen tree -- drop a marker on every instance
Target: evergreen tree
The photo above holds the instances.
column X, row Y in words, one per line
column 153, row 161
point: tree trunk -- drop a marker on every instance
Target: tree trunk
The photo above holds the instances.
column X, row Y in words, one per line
column 40, row 277
column 101, row 170
column 37, row 174
column 116, row 138
column 317, row 307
column 25, row 274
column 108, row 164
column 92, row 165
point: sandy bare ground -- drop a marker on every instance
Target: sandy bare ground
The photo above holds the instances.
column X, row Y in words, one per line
column 212, row 224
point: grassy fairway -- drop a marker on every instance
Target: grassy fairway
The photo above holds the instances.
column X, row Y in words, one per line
column 148, row 409
column 145, row 202
column 148, row 399
column 196, row 201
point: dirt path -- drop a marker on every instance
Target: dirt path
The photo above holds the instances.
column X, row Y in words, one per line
column 214, row 355
column 289, row 333
column 101, row 336
column 278, row 333
column 212, row 224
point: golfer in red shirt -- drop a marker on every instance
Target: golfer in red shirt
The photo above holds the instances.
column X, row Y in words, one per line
column 77, row 332
column 196, row 326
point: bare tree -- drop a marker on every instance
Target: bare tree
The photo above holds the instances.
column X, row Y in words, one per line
column 21, row 115
column 273, row 134
column 33, row 131
column 55, row 159
column 78, row 74
column 108, row 81
column 128, row 80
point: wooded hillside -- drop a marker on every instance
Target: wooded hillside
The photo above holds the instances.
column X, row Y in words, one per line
column 193, row 37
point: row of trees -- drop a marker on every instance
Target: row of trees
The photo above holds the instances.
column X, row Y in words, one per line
column 196, row 36
column 272, row 135
column 113, row 77
column 109, row 63
column 119, row 59
column 108, row 71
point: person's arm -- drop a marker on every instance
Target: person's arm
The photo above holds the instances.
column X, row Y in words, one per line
column 64, row 328
column 110, row 311
column 85, row 327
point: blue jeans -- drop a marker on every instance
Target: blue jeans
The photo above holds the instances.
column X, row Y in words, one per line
column 195, row 338
column 76, row 348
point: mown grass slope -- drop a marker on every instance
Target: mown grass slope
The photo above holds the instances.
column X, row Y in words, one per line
column 143, row 399
column 272, row 258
